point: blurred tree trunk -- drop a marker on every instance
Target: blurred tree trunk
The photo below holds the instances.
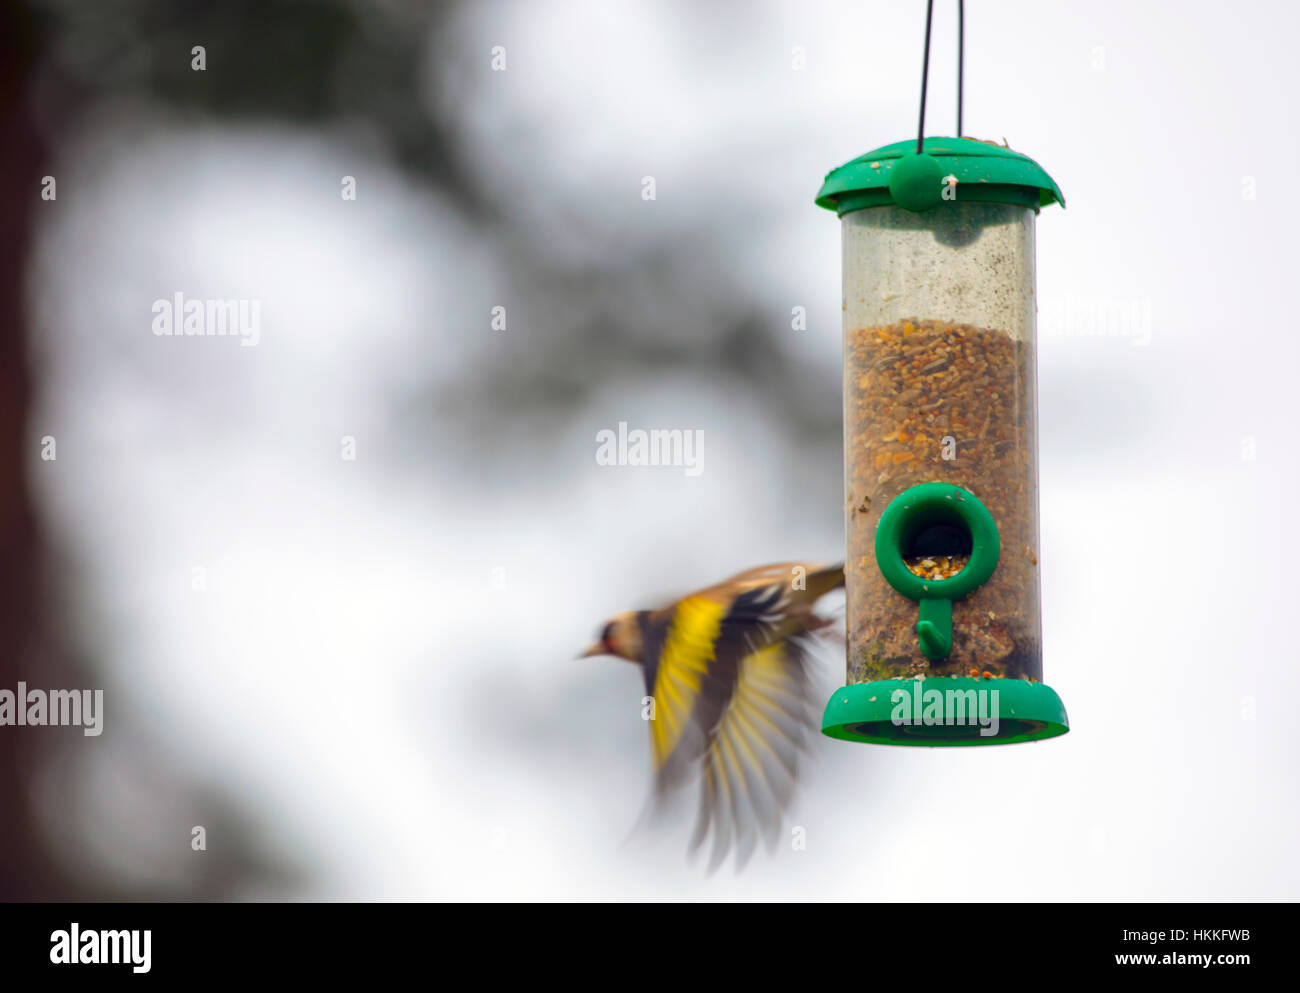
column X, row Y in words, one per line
column 26, row 870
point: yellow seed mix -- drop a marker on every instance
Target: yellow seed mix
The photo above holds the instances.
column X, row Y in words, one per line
column 934, row 401
column 937, row 566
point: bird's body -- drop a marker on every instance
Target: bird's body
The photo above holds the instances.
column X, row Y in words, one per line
column 727, row 670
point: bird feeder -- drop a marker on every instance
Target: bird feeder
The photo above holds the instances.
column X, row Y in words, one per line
column 940, row 446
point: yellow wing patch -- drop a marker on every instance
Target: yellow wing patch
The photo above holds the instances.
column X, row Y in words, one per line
column 688, row 650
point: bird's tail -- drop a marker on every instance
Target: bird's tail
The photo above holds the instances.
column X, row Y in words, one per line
column 824, row 580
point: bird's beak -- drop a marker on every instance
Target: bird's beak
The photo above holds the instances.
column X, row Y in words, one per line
column 594, row 650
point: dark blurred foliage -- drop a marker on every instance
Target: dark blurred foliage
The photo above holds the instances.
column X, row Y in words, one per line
column 307, row 61
column 304, row 62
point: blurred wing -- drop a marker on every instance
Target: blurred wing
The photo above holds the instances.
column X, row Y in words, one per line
column 751, row 762
column 681, row 674
column 732, row 697
column 693, row 670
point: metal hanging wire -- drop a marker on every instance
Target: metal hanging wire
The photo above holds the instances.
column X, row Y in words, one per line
column 925, row 67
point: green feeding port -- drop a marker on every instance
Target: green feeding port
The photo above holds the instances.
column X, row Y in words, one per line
column 936, row 519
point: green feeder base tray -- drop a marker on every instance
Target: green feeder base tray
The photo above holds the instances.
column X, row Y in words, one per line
column 943, row 712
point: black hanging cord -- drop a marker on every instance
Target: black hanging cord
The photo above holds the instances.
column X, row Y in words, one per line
column 925, row 67
column 961, row 57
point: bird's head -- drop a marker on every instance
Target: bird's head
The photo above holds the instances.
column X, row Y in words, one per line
column 620, row 636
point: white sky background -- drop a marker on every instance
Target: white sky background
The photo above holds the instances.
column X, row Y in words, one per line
column 388, row 718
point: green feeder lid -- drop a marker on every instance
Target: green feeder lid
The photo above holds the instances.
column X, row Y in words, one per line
column 974, row 171
column 945, row 712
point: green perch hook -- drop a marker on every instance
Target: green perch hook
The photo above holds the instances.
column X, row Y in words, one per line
column 913, row 511
column 934, row 629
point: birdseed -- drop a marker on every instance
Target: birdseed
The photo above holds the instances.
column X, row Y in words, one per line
column 933, row 401
column 936, row 566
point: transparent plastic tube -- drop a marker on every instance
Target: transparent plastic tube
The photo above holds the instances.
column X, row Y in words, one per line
column 940, row 386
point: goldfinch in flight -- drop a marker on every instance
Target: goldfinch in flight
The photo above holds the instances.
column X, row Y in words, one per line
column 728, row 671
